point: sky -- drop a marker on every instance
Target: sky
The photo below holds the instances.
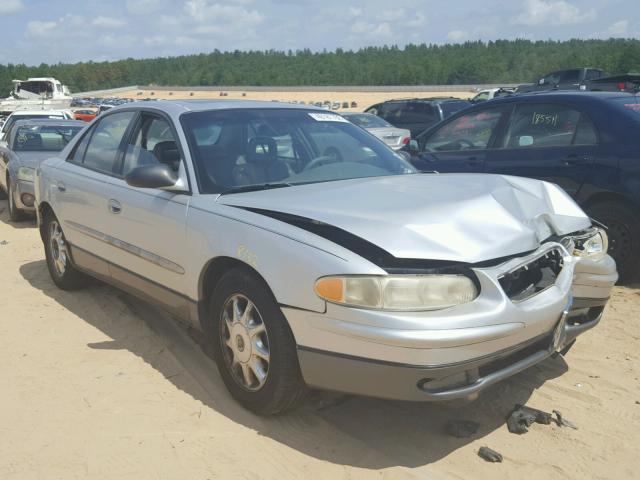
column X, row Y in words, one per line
column 52, row 31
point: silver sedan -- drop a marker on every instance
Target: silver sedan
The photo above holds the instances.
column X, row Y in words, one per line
column 394, row 137
column 28, row 143
column 311, row 255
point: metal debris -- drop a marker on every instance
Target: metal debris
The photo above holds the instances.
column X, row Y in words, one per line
column 489, row 455
column 563, row 422
column 521, row 418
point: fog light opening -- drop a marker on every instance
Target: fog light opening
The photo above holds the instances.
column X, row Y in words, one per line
column 27, row 199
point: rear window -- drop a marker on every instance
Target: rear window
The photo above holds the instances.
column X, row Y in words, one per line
column 449, row 108
column 365, row 120
column 14, row 118
column 49, row 138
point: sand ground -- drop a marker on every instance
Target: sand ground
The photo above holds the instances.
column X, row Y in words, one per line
column 97, row 385
column 362, row 98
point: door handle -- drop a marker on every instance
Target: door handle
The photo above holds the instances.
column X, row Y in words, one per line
column 61, row 187
column 473, row 161
column 572, row 160
column 114, row 206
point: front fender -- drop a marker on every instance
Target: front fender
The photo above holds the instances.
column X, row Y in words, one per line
column 289, row 259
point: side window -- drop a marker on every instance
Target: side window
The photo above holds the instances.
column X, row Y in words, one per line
column 152, row 142
column 570, row 76
column 102, row 149
column 593, row 74
column 417, row 112
column 542, row 125
column 585, row 132
column 80, row 147
column 472, row 131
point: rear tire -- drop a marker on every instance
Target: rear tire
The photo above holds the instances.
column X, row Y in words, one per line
column 62, row 271
column 623, row 224
column 253, row 345
column 15, row 215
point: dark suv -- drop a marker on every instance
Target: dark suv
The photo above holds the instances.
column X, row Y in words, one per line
column 417, row 114
column 586, row 142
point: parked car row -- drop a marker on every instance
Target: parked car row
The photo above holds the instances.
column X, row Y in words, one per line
column 585, row 142
column 310, row 254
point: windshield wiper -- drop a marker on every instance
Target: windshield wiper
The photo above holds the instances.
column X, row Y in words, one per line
column 255, row 188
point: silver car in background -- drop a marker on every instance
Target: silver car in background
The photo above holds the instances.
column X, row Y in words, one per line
column 394, row 137
column 28, row 143
column 311, row 255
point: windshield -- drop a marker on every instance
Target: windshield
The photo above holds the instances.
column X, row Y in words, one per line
column 367, row 120
column 49, row 138
column 252, row 149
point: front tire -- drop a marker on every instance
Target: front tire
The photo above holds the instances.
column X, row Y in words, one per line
column 56, row 250
column 623, row 224
column 254, row 347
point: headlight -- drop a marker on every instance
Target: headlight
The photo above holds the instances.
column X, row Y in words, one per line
column 26, row 174
column 398, row 292
column 592, row 243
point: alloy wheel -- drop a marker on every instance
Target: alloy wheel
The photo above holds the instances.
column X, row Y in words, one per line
column 246, row 343
column 59, row 253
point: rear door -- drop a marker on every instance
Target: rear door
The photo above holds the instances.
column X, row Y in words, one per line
column 548, row 141
column 460, row 144
column 86, row 181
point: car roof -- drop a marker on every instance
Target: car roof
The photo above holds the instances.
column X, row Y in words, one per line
column 176, row 107
column 559, row 95
column 49, row 121
column 427, row 99
column 39, row 112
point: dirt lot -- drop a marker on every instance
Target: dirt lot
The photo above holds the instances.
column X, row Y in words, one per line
column 97, row 385
column 363, row 99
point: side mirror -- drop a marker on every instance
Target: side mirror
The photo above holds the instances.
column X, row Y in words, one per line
column 158, row 175
column 541, row 81
column 413, row 146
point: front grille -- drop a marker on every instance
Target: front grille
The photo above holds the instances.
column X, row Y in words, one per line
column 533, row 277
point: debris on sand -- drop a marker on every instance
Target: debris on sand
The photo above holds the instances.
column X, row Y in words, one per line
column 4, row 242
column 521, row 418
column 489, row 455
column 563, row 422
column 461, row 428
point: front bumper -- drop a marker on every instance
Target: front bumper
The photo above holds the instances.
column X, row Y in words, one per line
column 23, row 191
column 442, row 355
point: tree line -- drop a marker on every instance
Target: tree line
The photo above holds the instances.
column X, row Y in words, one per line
column 500, row 61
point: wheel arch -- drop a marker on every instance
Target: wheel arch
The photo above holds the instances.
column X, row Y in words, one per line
column 44, row 209
column 212, row 273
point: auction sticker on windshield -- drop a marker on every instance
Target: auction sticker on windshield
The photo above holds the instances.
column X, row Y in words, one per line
column 328, row 117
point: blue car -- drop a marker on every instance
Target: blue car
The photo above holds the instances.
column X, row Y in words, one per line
column 586, row 142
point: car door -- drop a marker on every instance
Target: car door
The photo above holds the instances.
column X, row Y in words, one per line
column 148, row 224
column 82, row 188
column 460, row 144
column 554, row 142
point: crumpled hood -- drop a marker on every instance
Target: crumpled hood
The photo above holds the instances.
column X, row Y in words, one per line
column 455, row 217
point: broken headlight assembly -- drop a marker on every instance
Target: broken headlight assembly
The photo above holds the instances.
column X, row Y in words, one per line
column 398, row 292
column 592, row 243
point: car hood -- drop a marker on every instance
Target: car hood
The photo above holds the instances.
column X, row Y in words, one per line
column 32, row 159
column 455, row 217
